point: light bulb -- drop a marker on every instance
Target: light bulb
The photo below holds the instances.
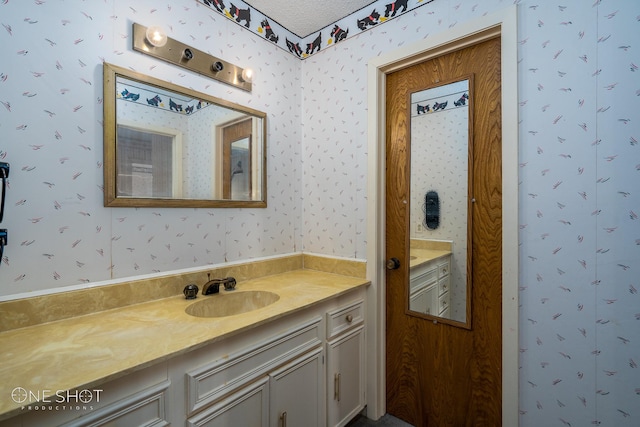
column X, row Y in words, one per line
column 247, row 75
column 156, row 36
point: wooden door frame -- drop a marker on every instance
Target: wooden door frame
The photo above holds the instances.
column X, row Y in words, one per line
column 504, row 24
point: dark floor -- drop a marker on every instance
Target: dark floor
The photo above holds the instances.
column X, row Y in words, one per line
column 385, row 421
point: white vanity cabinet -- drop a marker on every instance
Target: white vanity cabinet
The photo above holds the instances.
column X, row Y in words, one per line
column 248, row 406
column 297, row 392
column 444, row 281
column 429, row 285
column 240, row 382
column 289, row 396
column 275, row 375
column 272, row 373
column 423, row 283
column 140, row 399
column 345, row 363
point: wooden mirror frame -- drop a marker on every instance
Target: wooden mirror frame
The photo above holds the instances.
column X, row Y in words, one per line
column 111, row 199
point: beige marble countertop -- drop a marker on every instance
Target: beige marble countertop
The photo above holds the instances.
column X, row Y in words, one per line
column 86, row 351
column 419, row 257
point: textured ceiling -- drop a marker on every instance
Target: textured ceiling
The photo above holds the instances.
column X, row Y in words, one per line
column 304, row 17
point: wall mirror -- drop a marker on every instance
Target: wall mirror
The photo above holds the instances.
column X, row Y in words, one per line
column 170, row 146
column 440, row 221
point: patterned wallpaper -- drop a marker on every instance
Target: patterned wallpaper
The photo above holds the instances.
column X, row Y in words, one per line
column 51, row 124
column 579, row 92
column 579, row 170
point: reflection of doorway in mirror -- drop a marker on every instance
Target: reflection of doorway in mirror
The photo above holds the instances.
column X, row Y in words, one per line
column 146, row 164
column 240, row 170
column 237, row 161
column 439, row 162
column 141, row 180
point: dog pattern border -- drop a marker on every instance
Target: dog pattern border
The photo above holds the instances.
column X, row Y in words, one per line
column 366, row 18
column 131, row 91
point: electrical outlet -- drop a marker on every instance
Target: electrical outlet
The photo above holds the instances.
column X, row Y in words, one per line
column 419, row 228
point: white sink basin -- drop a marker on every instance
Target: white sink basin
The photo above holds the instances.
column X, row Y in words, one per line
column 229, row 304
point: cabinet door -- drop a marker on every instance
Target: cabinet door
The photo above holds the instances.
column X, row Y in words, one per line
column 417, row 302
column 297, row 392
column 247, row 407
column 345, row 377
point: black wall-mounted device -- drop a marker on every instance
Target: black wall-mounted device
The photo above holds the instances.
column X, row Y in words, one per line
column 4, row 175
column 432, row 210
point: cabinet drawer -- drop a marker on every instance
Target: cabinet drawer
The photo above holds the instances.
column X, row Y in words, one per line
column 424, row 278
column 145, row 408
column 443, row 302
column 443, row 285
column 345, row 318
column 212, row 382
column 249, row 406
column 443, row 268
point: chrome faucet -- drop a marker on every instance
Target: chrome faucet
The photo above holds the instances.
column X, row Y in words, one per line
column 213, row 285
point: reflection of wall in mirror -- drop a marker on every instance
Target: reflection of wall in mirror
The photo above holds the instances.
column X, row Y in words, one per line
column 198, row 150
column 142, row 180
column 150, row 118
column 240, row 170
column 204, row 157
column 439, row 150
column 198, row 155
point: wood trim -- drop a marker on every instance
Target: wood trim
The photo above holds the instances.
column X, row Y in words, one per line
column 232, row 133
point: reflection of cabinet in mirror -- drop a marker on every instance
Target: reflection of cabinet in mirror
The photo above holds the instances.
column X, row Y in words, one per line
column 429, row 280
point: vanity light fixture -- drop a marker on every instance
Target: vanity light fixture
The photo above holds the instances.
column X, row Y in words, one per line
column 156, row 36
column 154, row 42
column 247, row 75
column 187, row 54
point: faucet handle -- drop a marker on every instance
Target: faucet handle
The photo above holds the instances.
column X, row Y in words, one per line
column 190, row 291
column 229, row 284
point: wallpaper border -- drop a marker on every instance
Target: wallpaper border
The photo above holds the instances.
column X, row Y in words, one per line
column 265, row 27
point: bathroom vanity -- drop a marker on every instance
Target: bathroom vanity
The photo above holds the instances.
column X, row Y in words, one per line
column 429, row 287
column 297, row 361
column 429, row 280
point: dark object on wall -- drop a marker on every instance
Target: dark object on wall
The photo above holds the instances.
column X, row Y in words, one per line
column 432, row 210
column 4, row 174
